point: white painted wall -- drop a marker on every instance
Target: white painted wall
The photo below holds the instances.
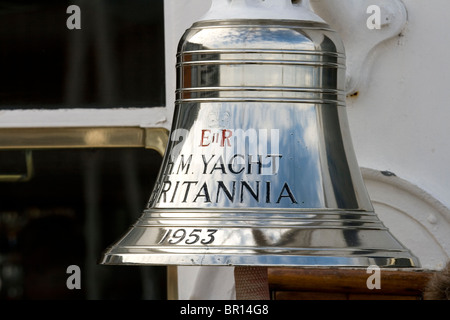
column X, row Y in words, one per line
column 400, row 120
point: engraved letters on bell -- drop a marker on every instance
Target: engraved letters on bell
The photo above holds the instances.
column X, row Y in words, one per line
column 260, row 169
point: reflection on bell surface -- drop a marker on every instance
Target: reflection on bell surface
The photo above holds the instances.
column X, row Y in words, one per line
column 260, row 168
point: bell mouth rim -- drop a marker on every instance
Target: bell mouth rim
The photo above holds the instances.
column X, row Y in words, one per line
column 269, row 260
column 256, row 210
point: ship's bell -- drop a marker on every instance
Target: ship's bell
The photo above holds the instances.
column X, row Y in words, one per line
column 260, row 167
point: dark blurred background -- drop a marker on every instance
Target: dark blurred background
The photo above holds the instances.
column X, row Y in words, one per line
column 116, row 59
column 79, row 201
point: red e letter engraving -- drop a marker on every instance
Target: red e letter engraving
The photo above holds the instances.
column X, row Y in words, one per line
column 202, row 141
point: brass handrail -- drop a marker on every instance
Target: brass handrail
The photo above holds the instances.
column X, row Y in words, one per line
column 83, row 137
column 29, row 139
column 21, row 177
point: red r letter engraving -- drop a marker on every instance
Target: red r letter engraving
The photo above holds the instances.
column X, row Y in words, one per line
column 226, row 135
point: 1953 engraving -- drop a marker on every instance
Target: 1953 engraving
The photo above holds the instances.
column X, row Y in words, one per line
column 176, row 236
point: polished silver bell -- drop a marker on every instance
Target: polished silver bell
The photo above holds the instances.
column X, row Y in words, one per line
column 260, row 167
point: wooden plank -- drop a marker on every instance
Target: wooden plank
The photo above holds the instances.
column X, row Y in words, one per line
column 393, row 282
column 301, row 295
column 355, row 296
column 315, row 295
